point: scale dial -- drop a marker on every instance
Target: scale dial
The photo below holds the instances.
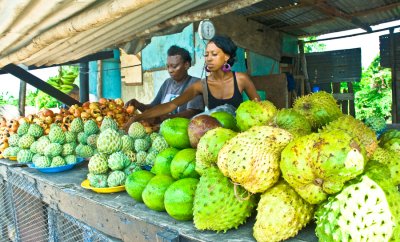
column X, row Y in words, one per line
column 206, row 29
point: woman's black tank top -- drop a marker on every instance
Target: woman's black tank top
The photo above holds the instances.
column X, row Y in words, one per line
column 235, row 100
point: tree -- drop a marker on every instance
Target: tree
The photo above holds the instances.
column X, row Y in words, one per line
column 313, row 46
column 373, row 94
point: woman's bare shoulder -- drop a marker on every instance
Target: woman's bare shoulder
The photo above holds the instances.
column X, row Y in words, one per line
column 242, row 76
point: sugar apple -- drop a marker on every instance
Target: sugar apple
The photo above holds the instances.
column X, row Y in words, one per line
column 109, row 141
column 116, row 178
column 136, row 130
column 35, row 130
column 108, row 123
column 90, row 127
column 97, row 180
column 24, row 156
column 76, row 125
column 118, row 161
column 98, row 164
column 57, row 161
column 26, row 141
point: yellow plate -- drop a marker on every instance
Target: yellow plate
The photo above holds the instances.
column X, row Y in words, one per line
column 85, row 184
column 12, row 158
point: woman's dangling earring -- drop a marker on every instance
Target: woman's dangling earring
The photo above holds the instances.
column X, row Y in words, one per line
column 226, row 67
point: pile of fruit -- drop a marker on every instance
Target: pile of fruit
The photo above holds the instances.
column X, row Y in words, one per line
column 63, row 82
column 293, row 165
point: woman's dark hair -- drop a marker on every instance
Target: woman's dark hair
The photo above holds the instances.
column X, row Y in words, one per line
column 227, row 46
column 176, row 50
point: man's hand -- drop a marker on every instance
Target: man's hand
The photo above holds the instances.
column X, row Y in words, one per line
column 129, row 122
column 132, row 102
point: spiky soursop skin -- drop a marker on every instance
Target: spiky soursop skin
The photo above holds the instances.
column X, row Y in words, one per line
column 13, row 140
column 84, row 151
column 92, row 140
column 209, row 146
column 292, row 121
column 70, row 159
column 116, row 178
column 70, row 137
column 128, row 143
column 392, row 160
column 142, row 145
column 368, row 209
column 23, row 128
column 118, row 161
column 319, row 108
column 97, row 180
column 281, row 214
column 98, row 164
column 319, row 164
column 387, row 136
column 42, row 143
column 357, row 129
column 251, row 158
column 24, row 156
column 141, row 158
column 108, row 123
column 26, row 141
column 42, row 162
column 57, row 135
column 68, row 149
column 218, row 205
column 82, row 138
column 254, row 113
column 109, row 141
column 136, row 130
column 90, row 127
column 377, row 124
column 57, row 161
column 159, row 144
column 76, row 125
column 35, row 130
column 53, row 150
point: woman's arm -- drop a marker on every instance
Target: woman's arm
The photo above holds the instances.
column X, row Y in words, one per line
column 248, row 86
column 162, row 109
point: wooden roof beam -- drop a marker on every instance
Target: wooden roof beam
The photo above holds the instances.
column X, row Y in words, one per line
column 330, row 10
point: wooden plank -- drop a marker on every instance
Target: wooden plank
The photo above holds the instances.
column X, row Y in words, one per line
column 275, row 87
column 343, row 96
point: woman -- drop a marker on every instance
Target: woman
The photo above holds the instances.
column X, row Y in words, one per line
column 222, row 85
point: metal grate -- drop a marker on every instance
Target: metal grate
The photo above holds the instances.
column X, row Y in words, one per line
column 7, row 226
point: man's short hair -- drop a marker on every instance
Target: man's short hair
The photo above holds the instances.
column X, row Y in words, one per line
column 176, row 50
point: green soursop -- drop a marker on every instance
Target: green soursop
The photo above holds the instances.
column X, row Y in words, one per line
column 281, row 214
column 218, row 205
column 391, row 160
column 118, row 161
column 23, row 128
column 70, row 159
column 319, row 108
column 57, row 161
column 292, row 121
column 109, row 141
column 319, row 164
column 24, row 156
column 367, row 209
column 251, row 158
column 13, row 140
column 26, row 141
column 53, row 150
column 209, row 146
column 98, row 164
column 76, row 125
column 142, row 145
column 70, row 137
column 57, row 135
column 137, row 130
column 97, row 180
column 90, row 127
column 42, row 162
column 35, row 130
column 108, row 123
column 116, row 178
column 159, row 143
column 254, row 113
column 128, row 143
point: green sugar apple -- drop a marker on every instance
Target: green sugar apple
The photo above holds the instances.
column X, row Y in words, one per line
column 13, row 140
column 24, row 156
column 90, row 127
column 118, row 161
column 128, row 143
column 281, row 214
column 70, row 159
column 23, row 129
column 319, row 108
column 209, row 146
column 35, row 130
column 70, row 137
column 53, row 150
column 76, row 125
column 56, row 135
column 97, row 180
column 319, row 164
column 218, row 204
column 57, row 161
column 108, row 123
column 367, row 209
column 254, row 113
column 116, row 178
column 109, row 141
column 136, row 130
column 98, row 164
column 142, row 145
column 159, row 143
column 251, row 158
column 26, row 141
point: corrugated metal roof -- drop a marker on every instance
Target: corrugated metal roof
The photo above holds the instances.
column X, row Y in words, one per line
column 42, row 32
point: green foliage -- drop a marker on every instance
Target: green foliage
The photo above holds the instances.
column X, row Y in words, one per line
column 373, row 94
column 40, row 100
column 5, row 98
column 313, row 46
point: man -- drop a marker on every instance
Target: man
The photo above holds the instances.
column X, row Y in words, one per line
column 178, row 63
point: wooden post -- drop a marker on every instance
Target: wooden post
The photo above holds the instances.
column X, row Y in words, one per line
column 395, row 81
column 303, row 62
column 22, row 98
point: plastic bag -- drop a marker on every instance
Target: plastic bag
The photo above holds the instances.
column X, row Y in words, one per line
column 225, row 108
